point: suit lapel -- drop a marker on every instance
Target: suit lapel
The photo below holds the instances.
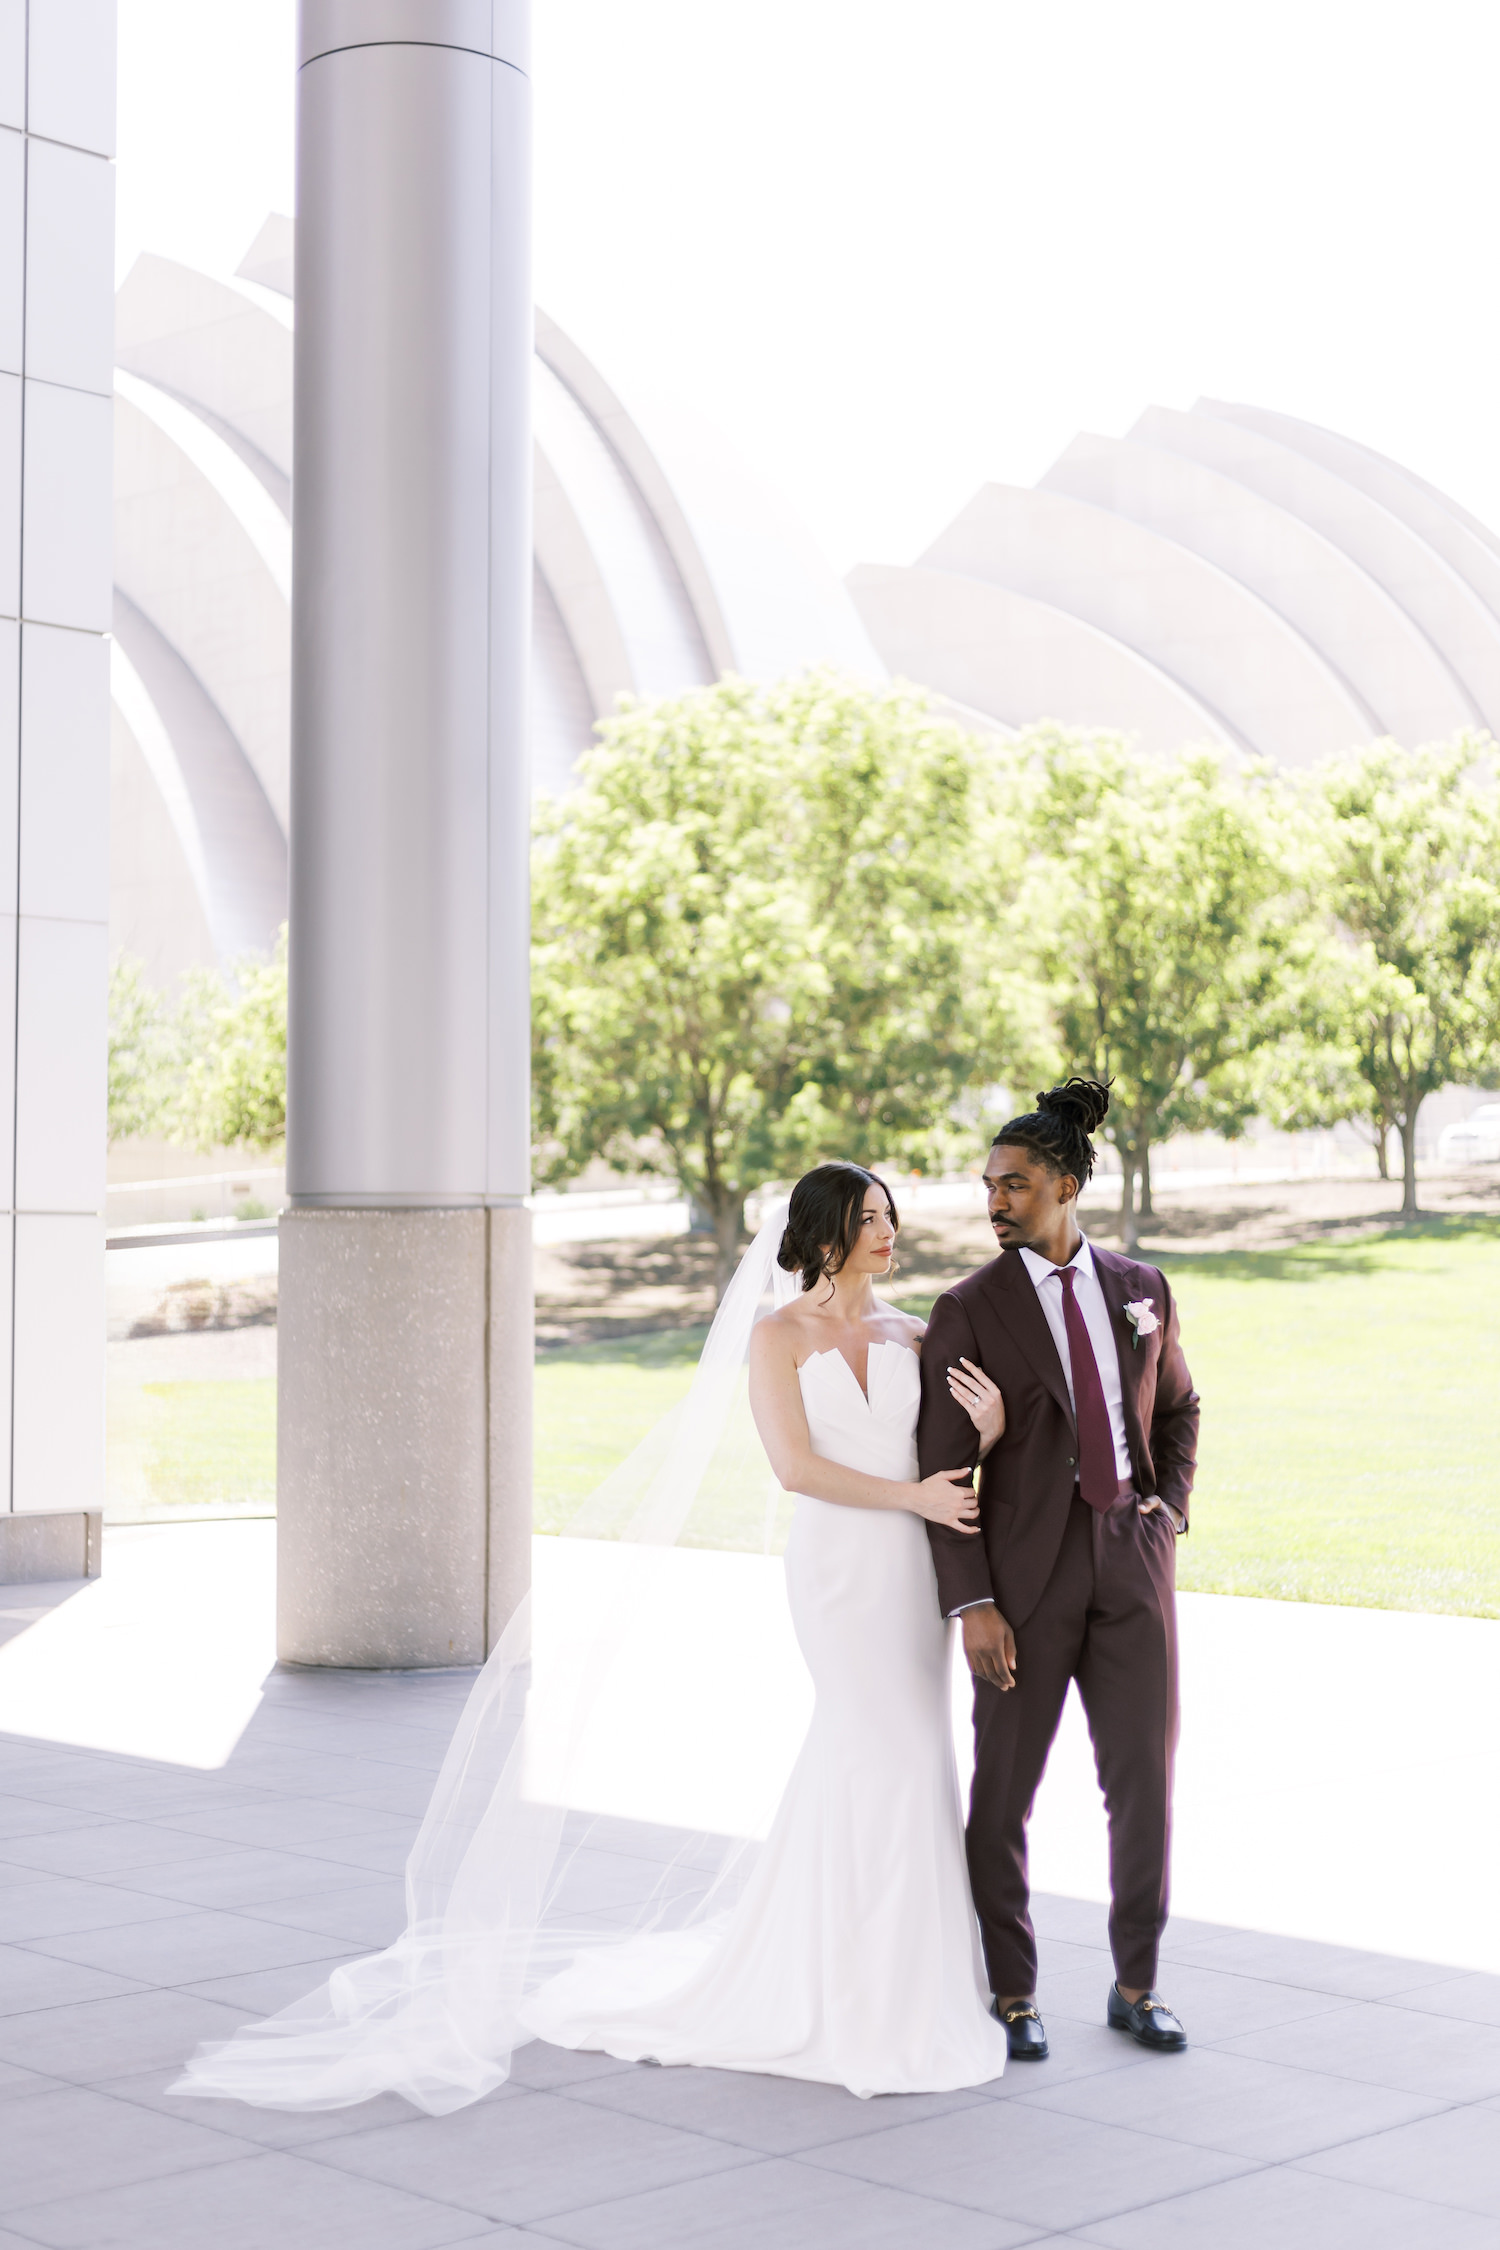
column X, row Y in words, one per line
column 1114, row 1287
column 1014, row 1296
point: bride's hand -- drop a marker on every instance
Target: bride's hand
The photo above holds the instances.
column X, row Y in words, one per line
column 943, row 1499
column 980, row 1400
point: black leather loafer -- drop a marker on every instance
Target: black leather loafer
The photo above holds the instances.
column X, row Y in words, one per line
column 1025, row 2033
column 1148, row 2020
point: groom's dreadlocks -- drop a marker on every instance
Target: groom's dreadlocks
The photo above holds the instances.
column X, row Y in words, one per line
column 1057, row 1130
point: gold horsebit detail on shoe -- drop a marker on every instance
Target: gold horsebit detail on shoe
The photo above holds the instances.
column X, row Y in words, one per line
column 1019, row 2015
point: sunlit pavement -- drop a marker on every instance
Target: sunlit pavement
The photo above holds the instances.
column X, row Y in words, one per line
column 188, row 1837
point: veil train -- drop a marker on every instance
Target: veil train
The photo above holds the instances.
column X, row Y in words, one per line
column 501, row 1887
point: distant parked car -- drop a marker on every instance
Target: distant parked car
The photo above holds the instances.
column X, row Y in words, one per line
column 1476, row 1140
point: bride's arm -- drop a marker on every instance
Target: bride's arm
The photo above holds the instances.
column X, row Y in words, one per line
column 776, row 1403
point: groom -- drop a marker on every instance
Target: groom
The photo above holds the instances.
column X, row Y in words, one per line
column 1072, row 1575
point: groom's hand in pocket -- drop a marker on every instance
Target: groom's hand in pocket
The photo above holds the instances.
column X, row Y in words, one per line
column 990, row 1646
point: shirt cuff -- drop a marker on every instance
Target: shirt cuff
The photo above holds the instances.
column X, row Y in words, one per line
column 985, row 1601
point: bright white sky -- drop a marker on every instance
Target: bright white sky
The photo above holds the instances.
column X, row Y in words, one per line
column 894, row 250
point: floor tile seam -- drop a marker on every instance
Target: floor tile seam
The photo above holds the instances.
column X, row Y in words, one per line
column 258, row 1911
column 310, row 2150
column 31, row 1946
column 577, row 2093
column 179, row 2170
column 138, row 1922
column 1215, row 2148
column 1292, row 1984
column 1137, row 2131
column 1247, row 2167
column 1443, row 2102
column 1222, row 2047
column 1397, row 2195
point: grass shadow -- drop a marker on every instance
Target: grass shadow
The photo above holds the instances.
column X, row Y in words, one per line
column 1341, row 1254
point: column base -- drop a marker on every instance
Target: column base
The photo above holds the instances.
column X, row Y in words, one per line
column 51, row 1545
column 404, row 1435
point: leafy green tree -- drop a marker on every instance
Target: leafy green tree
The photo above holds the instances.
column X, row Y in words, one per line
column 231, row 1040
column 1155, row 906
column 141, row 1050
column 765, row 935
column 1411, row 880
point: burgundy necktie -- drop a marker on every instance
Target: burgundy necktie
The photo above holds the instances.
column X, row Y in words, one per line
column 1098, row 1478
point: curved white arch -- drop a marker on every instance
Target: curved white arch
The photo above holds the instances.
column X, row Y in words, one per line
column 1388, row 665
column 128, row 691
column 185, row 558
column 627, row 558
column 1217, row 639
column 237, row 486
column 1425, row 511
column 1418, row 579
column 225, row 347
column 1014, row 659
column 240, row 859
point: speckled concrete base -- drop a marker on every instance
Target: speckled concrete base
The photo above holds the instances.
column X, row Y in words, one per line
column 404, row 1434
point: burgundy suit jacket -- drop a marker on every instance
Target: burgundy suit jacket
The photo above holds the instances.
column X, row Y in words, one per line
column 995, row 1318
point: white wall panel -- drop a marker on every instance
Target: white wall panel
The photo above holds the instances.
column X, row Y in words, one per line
column 66, row 499
column 10, row 495
column 13, row 62
column 7, row 1088
column 64, row 856
column 70, row 241
column 12, row 246
column 62, row 1008
column 72, row 72
column 10, row 751
column 7, row 1254
column 59, row 1410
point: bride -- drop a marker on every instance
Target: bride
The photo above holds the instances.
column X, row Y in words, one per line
column 850, row 1953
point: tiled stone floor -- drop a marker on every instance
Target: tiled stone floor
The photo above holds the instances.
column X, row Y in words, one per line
column 1329, row 2098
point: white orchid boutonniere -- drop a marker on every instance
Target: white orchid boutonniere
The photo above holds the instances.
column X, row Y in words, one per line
column 1142, row 1318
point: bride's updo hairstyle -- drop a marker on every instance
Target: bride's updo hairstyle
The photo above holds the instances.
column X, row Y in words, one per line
column 1057, row 1131
column 822, row 1225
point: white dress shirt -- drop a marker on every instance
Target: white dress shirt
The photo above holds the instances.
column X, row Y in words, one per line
column 1090, row 1300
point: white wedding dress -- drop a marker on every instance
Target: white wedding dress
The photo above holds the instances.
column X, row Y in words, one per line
column 852, row 1955
column 844, row 1950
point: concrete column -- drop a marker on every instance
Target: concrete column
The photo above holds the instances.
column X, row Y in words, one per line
column 405, row 1321
column 57, row 118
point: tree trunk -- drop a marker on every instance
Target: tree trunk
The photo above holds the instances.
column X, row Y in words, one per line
column 1145, row 1206
column 729, row 1225
column 1409, row 1164
column 1128, row 1235
column 1382, row 1148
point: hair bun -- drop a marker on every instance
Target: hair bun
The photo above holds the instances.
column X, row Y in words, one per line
column 1082, row 1101
column 791, row 1255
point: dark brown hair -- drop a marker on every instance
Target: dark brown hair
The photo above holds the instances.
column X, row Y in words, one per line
column 1057, row 1131
column 827, row 1207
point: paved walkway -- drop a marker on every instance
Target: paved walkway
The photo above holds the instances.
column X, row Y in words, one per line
column 1331, row 2097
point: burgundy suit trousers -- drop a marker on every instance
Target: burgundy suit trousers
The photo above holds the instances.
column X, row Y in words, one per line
column 1107, row 1619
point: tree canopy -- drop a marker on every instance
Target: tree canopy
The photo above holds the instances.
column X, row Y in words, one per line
column 1409, row 845
column 1152, row 912
column 765, row 934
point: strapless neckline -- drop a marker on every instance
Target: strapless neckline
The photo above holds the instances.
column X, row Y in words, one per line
column 882, row 1344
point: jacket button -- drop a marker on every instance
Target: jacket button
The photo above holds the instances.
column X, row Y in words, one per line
column 1072, row 1464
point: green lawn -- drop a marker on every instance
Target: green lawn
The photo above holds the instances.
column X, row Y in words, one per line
column 1351, row 1421
column 1351, row 1426
column 177, row 1447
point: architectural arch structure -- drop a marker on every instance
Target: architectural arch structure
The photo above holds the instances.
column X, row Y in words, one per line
column 1225, row 575
column 660, row 563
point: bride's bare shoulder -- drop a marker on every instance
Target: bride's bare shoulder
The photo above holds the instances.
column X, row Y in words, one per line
column 907, row 1326
column 778, row 1333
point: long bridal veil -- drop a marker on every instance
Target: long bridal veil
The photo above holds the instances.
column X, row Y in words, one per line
column 555, row 1828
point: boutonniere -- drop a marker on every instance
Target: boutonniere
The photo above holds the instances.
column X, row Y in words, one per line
column 1142, row 1318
